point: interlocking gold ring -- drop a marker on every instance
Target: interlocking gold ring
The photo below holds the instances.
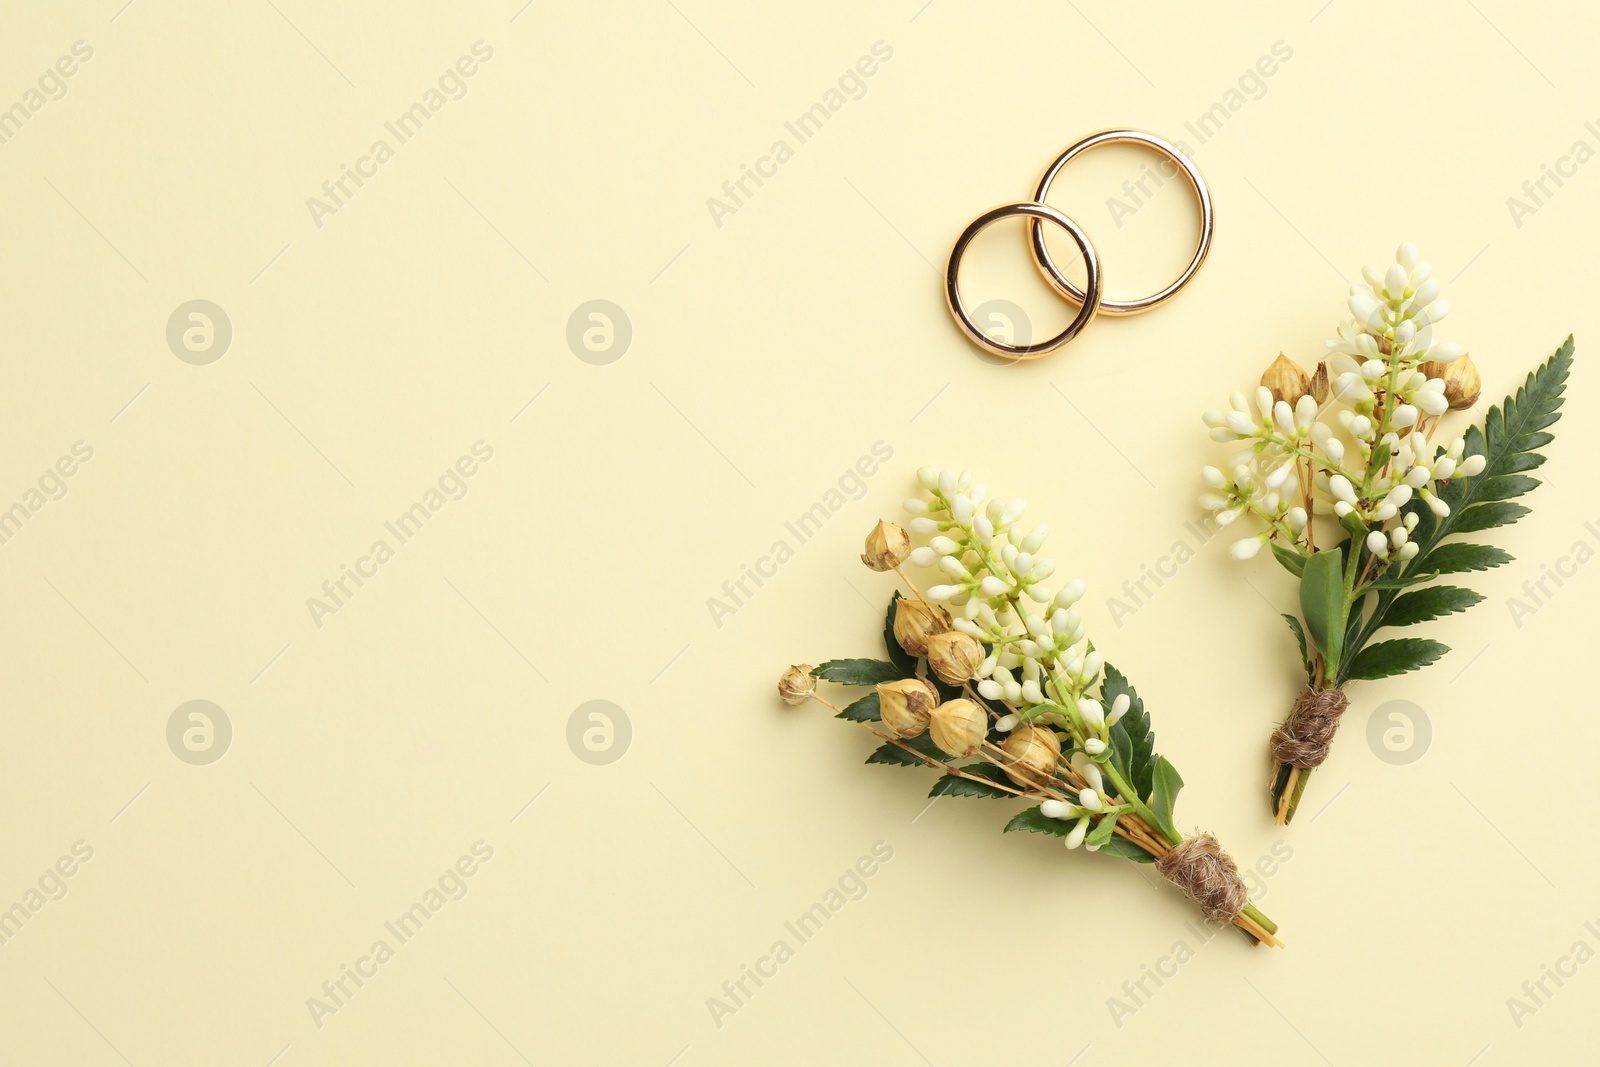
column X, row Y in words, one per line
column 1039, row 213
column 1041, row 254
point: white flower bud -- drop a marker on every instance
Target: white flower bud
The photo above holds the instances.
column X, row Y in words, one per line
column 1246, row 549
column 1213, row 477
column 1035, row 538
column 1070, row 594
column 942, row 592
column 1437, row 506
column 1088, row 798
column 1055, row 809
column 990, row 689
column 1473, row 466
column 1405, row 415
column 1409, row 550
column 1377, row 544
column 1341, row 488
column 1092, row 712
column 1074, row 837
column 924, row 556
column 1093, row 745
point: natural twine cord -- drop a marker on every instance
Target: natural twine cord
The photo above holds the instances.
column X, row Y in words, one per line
column 1208, row 876
column 1303, row 738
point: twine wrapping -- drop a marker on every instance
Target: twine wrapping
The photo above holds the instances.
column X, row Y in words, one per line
column 1208, row 876
column 1303, row 738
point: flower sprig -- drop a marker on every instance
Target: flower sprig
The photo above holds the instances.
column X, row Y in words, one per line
column 992, row 664
column 1358, row 442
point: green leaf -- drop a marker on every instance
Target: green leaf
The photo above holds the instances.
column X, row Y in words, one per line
column 1505, row 486
column 857, row 671
column 1460, row 556
column 903, row 661
column 1100, row 832
column 1405, row 581
column 864, row 710
column 1133, row 743
column 1510, row 434
column 1425, row 604
column 892, row 755
column 1121, row 846
column 1300, row 636
column 1031, row 821
column 1486, row 516
column 952, row 786
column 1387, row 658
column 1292, row 561
column 1322, row 602
column 1164, row 794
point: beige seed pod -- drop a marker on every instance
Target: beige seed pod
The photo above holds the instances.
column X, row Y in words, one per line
column 1461, row 383
column 1287, row 379
column 954, row 656
column 797, row 684
column 916, row 621
column 1032, row 752
column 1319, row 383
column 887, row 547
column 958, row 727
column 904, row 705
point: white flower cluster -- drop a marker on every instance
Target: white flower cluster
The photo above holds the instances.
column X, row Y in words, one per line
column 1040, row 667
column 1363, row 447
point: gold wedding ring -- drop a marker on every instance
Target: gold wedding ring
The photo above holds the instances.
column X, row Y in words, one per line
column 1039, row 214
column 1090, row 299
column 1161, row 146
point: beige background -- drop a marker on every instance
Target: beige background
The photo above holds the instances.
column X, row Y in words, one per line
column 768, row 354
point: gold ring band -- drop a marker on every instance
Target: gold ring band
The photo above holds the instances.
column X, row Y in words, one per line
column 1041, row 253
column 1089, row 303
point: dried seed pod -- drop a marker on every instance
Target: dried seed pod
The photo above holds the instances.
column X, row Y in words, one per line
column 958, row 727
column 1287, row 379
column 1461, row 384
column 797, row 684
column 1032, row 752
column 904, row 705
column 1319, row 383
column 887, row 547
column 954, row 656
column 915, row 621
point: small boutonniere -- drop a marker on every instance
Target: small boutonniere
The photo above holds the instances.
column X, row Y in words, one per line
column 990, row 680
column 1359, row 442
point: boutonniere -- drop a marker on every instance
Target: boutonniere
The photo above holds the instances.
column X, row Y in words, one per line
column 1352, row 480
column 989, row 679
